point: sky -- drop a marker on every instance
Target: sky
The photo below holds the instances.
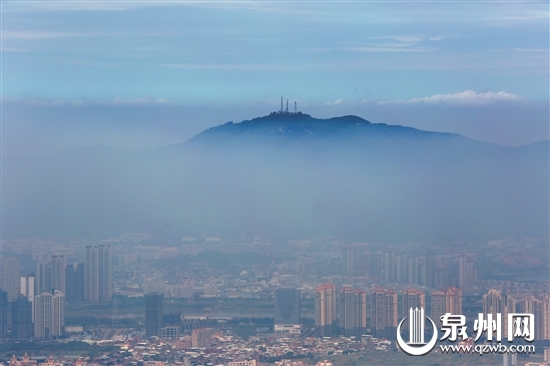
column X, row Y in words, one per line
column 147, row 74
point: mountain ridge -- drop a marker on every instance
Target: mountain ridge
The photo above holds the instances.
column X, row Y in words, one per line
column 287, row 176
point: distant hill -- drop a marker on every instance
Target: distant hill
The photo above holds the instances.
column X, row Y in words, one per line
column 287, row 176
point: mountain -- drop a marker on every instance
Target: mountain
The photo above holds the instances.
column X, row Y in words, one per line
column 287, row 176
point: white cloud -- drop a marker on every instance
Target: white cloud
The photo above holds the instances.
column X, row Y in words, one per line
column 38, row 34
column 336, row 102
column 398, row 38
column 138, row 101
column 397, row 48
column 465, row 97
column 115, row 101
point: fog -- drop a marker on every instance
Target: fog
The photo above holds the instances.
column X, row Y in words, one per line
column 286, row 179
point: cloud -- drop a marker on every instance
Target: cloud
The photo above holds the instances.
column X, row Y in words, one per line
column 115, row 101
column 437, row 38
column 138, row 101
column 465, row 97
column 38, row 34
column 387, row 48
column 398, row 38
column 336, row 102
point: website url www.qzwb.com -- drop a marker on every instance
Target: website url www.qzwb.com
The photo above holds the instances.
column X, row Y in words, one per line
column 482, row 349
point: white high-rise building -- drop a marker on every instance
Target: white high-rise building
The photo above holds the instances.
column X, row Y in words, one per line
column 58, row 273
column 97, row 273
column 27, row 289
column 49, row 315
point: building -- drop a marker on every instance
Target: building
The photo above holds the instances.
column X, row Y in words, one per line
column 49, row 315
column 540, row 308
column 201, row 338
column 3, row 314
column 510, row 359
column 21, row 318
column 445, row 301
column 57, row 266
column 546, row 321
column 383, row 320
column 169, row 332
column 26, row 361
column 466, row 272
column 414, row 299
column 153, row 314
column 430, row 262
column 287, row 311
column 389, row 266
column 375, row 265
column 241, row 363
column 97, row 273
column 74, row 283
column 353, row 312
column 12, row 276
column 355, row 261
column 43, row 278
column 325, row 310
column 494, row 302
column 27, row 289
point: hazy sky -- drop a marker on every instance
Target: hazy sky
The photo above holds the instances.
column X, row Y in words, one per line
column 145, row 74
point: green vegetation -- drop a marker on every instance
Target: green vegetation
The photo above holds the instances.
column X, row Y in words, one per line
column 54, row 348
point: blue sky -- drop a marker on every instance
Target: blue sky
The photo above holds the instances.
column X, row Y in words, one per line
column 145, row 74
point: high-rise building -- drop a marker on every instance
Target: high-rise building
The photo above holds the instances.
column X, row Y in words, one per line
column 389, row 266
column 546, row 318
column 325, row 310
column 355, row 261
column 58, row 273
column 43, row 278
column 21, row 319
column 153, row 314
column 466, row 272
column 375, row 265
column 414, row 299
column 74, row 282
column 510, row 359
column 353, row 312
column 287, row 311
column 383, row 321
column 430, row 265
column 532, row 305
column 49, row 315
column 3, row 314
column 27, row 289
column 12, row 276
column 97, row 276
column 445, row 301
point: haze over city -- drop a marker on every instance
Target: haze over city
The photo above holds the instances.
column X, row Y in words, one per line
column 274, row 183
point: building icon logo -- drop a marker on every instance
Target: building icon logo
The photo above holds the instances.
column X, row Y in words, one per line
column 416, row 345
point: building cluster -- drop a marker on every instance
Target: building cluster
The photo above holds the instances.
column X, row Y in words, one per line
column 384, row 310
column 392, row 266
column 33, row 306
